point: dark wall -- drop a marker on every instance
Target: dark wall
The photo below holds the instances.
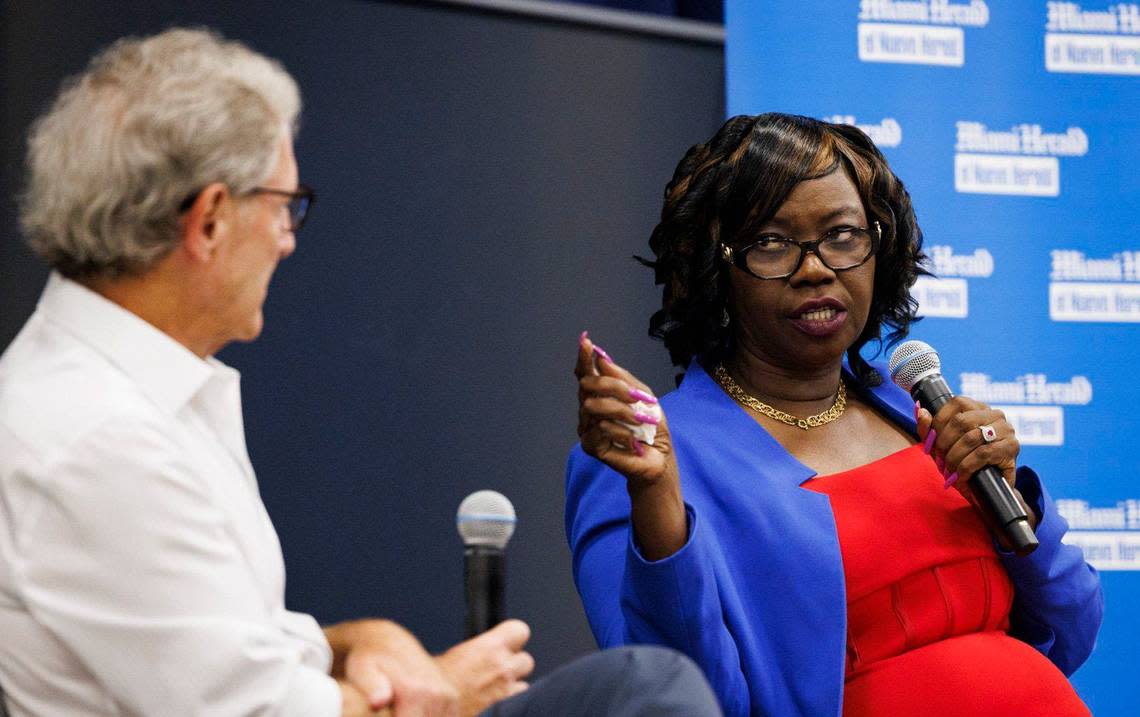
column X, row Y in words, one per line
column 709, row 10
column 483, row 181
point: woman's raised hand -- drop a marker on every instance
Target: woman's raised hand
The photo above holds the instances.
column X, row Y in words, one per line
column 608, row 397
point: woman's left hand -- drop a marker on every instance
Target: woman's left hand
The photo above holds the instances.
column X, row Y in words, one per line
column 956, row 439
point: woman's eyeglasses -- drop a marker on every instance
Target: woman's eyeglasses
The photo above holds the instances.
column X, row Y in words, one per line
column 772, row 256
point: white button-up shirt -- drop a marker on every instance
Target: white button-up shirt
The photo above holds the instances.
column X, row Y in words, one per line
column 139, row 571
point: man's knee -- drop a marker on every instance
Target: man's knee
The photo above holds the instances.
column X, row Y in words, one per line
column 658, row 681
column 638, row 681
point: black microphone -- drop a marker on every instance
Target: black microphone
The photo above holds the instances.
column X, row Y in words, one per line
column 916, row 368
column 486, row 521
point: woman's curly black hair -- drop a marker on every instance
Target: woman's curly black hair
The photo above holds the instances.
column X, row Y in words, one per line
column 724, row 189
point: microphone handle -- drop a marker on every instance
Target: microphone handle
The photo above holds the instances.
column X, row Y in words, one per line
column 1001, row 510
column 484, row 576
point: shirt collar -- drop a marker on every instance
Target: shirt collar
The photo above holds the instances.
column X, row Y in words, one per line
column 168, row 372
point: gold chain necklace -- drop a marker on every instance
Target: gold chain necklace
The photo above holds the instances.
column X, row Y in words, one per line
column 745, row 399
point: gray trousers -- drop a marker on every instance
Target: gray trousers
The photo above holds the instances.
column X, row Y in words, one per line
column 639, row 681
column 622, row 682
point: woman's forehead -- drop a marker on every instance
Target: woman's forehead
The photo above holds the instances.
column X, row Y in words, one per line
column 820, row 199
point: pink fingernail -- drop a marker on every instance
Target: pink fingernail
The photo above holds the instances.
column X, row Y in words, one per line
column 584, row 336
column 646, row 418
column 637, row 447
column 602, row 353
column 916, row 407
column 641, row 396
column 929, row 442
column 951, row 480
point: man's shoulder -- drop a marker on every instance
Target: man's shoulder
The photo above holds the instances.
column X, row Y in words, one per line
column 56, row 390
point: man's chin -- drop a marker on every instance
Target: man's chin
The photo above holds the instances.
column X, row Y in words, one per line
column 255, row 327
column 251, row 330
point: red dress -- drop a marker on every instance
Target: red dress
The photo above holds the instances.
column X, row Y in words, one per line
column 928, row 602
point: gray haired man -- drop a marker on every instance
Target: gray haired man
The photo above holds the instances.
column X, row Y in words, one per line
column 139, row 572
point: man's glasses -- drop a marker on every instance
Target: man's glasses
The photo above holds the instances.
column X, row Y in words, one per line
column 775, row 257
column 299, row 202
column 298, row 205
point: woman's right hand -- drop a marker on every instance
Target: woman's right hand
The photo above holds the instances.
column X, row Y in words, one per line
column 606, row 397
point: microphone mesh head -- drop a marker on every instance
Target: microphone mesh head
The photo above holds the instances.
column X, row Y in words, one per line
column 486, row 517
column 913, row 361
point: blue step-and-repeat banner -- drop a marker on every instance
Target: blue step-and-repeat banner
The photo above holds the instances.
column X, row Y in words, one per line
column 1016, row 126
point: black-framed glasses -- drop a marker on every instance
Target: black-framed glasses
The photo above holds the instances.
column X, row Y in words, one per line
column 299, row 202
column 772, row 256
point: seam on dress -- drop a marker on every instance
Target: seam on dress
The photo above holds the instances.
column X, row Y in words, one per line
column 989, row 598
column 896, row 607
column 945, row 601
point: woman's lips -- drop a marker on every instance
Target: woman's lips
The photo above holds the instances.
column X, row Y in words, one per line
column 820, row 322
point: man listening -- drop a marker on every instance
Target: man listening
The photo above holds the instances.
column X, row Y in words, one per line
column 139, row 571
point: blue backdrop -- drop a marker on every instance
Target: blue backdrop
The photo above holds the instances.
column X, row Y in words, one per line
column 1016, row 127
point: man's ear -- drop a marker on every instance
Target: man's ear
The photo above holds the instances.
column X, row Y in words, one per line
column 204, row 223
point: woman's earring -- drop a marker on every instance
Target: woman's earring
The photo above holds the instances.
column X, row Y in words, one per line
column 725, row 319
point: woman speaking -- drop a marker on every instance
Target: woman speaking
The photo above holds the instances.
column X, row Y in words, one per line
column 797, row 525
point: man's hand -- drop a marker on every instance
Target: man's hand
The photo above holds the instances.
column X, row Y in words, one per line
column 489, row 667
column 354, row 704
column 390, row 668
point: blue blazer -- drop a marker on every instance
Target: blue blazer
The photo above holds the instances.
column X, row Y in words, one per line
column 756, row 595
